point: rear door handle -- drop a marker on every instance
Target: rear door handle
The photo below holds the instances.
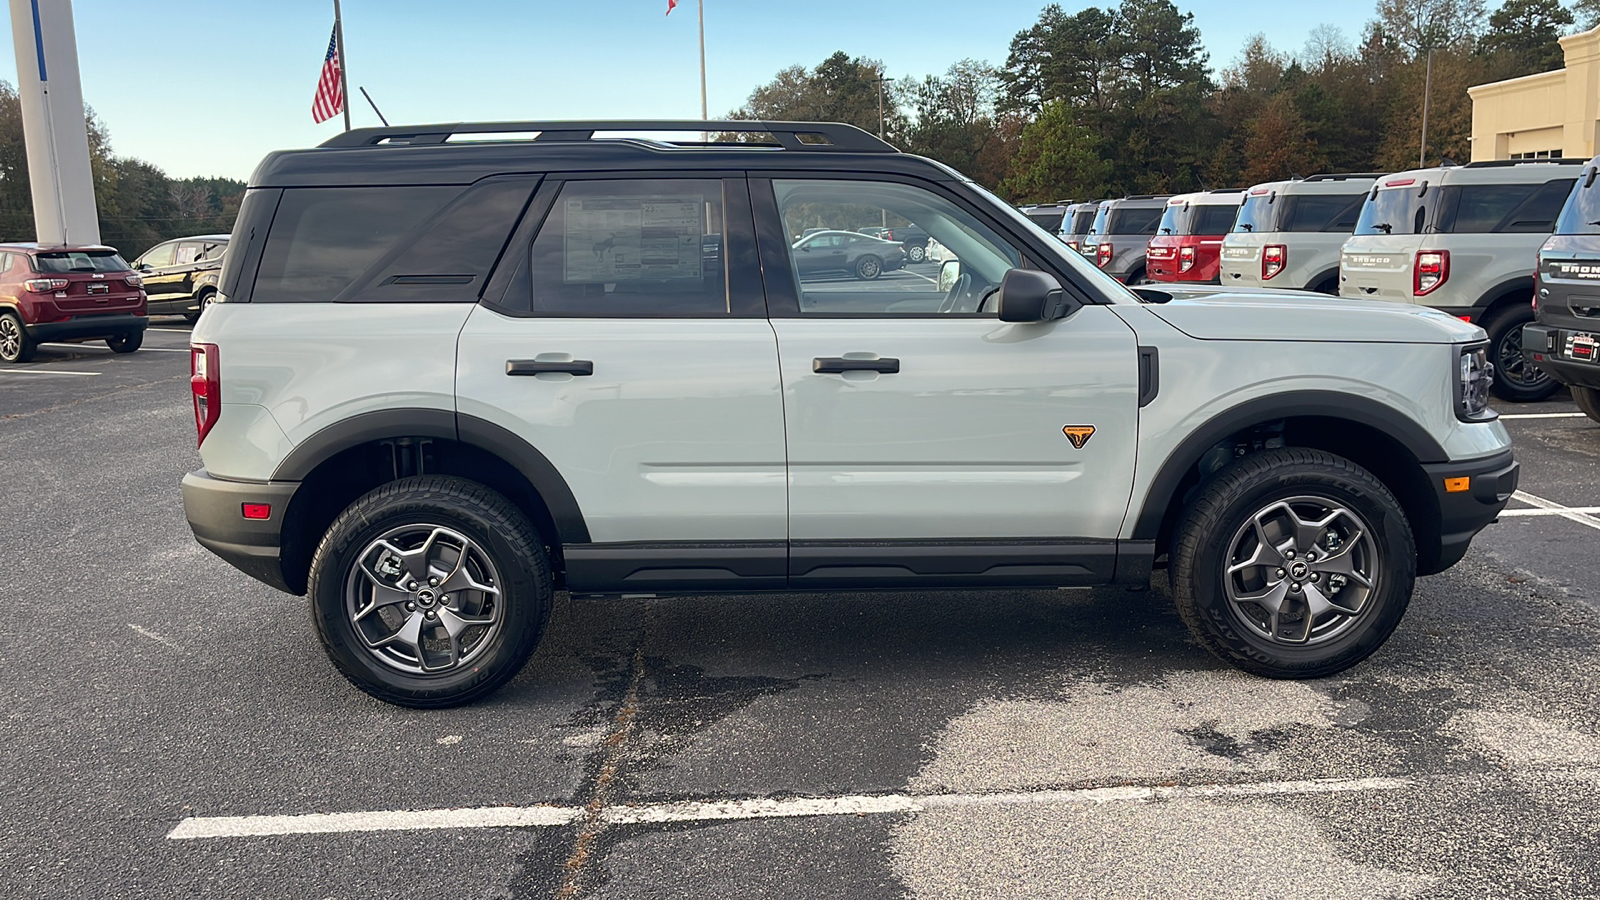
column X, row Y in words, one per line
column 539, row 367
column 829, row 365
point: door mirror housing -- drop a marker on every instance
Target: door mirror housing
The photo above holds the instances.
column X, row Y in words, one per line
column 1027, row 295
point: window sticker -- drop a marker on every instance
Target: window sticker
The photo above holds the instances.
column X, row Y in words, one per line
column 633, row 239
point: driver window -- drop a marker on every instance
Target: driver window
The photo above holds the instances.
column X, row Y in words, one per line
column 160, row 256
column 893, row 249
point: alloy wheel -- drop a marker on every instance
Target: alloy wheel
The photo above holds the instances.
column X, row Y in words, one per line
column 1513, row 366
column 10, row 339
column 1301, row 571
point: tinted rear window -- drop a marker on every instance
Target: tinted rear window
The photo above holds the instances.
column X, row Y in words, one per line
column 1396, row 210
column 1581, row 214
column 1133, row 220
column 1048, row 220
column 322, row 239
column 1322, row 212
column 1081, row 220
column 1256, row 214
column 79, row 261
column 1502, row 208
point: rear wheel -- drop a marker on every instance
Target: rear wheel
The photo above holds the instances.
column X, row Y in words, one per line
column 916, row 254
column 1293, row 563
column 430, row 591
column 868, row 268
column 15, row 345
column 204, row 299
column 1516, row 378
column 1588, row 400
column 126, row 343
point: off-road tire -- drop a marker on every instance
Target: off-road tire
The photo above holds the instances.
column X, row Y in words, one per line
column 498, row 529
column 1507, row 324
column 1226, row 503
column 126, row 343
column 1588, row 400
column 15, row 345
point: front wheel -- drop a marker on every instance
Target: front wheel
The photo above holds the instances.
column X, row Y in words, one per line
column 126, row 343
column 868, row 268
column 1516, row 377
column 916, row 254
column 1588, row 400
column 430, row 591
column 1293, row 563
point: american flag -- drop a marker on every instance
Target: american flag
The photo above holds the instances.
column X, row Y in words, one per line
column 330, row 93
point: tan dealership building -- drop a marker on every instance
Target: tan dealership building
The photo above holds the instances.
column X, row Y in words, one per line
column 1549, row 114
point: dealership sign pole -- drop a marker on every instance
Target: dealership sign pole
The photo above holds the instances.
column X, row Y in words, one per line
column 52, row 122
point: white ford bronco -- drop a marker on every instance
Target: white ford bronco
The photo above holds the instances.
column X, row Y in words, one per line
column 446, row 378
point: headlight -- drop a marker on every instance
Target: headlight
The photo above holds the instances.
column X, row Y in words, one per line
column 1474, row 374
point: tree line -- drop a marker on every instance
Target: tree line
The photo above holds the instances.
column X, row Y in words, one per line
column 1121, row 100
column 138, row 204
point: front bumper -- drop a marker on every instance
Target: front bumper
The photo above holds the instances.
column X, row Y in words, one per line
column 1544, row 343
column 1462, row 514
column 215, row 509
column 89, row 327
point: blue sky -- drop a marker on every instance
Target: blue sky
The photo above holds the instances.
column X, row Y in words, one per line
column 206, row 88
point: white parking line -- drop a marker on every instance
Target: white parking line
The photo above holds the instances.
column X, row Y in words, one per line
column 1556, row 509
column 1582, row 510
column 1576, row 415
column 757, row 808
column 108, row 349
column 44, row 372
column 173, row 330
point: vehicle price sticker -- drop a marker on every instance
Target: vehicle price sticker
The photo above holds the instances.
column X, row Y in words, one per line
column 1582, row 347
column 632, row 239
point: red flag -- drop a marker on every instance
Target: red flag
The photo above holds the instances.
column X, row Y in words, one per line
column 671, row 5
column 329, row 100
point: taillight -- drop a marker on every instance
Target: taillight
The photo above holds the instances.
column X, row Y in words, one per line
column 1431, row 270
column 1273, row 258
column 205, row 382
column 133, row 280
column 1185, row 259
column 1102, row 255
column 46, row 285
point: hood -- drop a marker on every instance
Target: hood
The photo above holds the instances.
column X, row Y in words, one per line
column 1229, row 314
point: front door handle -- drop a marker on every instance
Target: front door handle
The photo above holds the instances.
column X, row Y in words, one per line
column 829, row 365
column 539, row 367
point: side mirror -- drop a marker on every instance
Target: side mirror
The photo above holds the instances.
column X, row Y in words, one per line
column 949, row 274
column 1027, row 295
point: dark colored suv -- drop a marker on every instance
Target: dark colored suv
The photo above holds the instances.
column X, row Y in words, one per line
column 180, row 275
column 63, row 292
column 1564, row 339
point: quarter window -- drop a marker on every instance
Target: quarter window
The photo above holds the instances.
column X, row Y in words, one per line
column 188, row 252
column 646, row 247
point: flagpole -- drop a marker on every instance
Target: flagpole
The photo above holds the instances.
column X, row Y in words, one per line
column 704, row 111
column 344, row 72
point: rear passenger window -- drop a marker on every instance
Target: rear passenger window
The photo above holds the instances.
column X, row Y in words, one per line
column 647, row 247
column 323, row 239
column 1322, row 212
column 1505, row 208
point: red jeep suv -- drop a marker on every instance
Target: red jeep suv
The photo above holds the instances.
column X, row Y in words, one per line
column 63, row 292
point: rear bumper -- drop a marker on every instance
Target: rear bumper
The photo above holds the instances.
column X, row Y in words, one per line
column 1543, row 343
column 215, row 507
column 88, row 327
column 1462, row 514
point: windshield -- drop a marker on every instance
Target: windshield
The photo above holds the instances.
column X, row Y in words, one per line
column 1255, row 216
column 1133, row 220
column 1396, row 210
column 1048, row 219
column 1073, row 261
column 1581, row 214
column 79, row 261
column 1081, row 220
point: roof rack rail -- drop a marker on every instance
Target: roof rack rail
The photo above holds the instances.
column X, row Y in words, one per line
column 792, row 136
column 1227, row 190
column 1504, row 163
column 1146, row 197
column 1344, row 176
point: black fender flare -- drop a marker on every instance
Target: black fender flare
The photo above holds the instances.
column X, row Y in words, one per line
column 449, row 425
column 1294, row 404
column 1509, row 286
column 1325, row 275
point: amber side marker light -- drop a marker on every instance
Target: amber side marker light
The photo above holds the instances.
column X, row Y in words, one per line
column 1457, row 485
column 264, row 510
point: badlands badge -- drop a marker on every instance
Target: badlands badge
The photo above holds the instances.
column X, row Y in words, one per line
column 1078, row 434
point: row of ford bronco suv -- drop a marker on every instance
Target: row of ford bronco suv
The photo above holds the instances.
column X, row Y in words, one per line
column 446, row 378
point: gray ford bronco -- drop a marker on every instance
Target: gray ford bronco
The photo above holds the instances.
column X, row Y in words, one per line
column 446, row 378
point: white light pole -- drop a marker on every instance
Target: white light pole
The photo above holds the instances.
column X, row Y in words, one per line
column 52, row 122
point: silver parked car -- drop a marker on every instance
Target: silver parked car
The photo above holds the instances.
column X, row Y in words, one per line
column 1289, row 233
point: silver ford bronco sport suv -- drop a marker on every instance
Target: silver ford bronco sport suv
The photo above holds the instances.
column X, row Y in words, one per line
column 446, row 379
column 1119, row 238
column 1465, row 240
column 1289, row 233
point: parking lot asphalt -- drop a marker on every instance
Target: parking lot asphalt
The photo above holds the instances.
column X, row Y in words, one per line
column 172, row 728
